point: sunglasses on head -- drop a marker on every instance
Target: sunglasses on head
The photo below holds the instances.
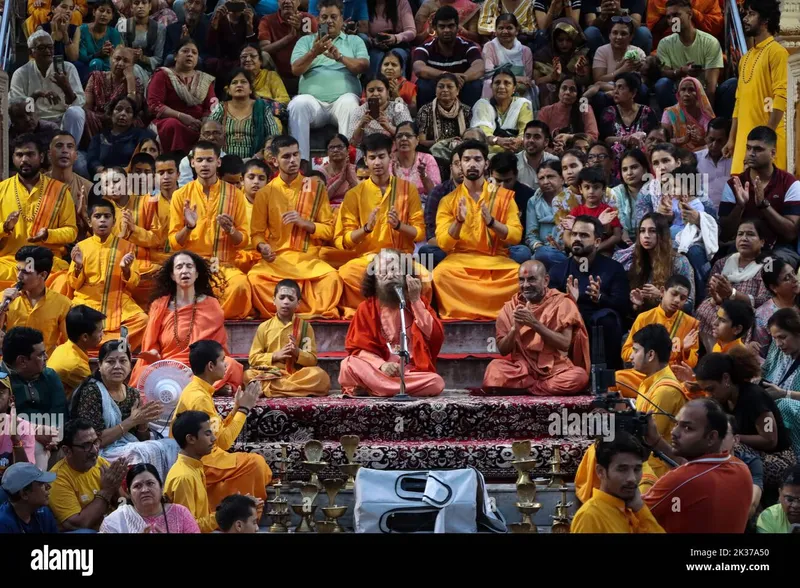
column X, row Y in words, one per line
column 623, row 19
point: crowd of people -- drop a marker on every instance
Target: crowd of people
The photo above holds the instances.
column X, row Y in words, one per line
column 570, row 171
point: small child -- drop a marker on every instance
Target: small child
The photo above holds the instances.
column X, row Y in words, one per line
column 104, row 272
column 142, row 172
column 362, row 171
column 284, row 352
column 70, row 360
column 256, row 174
column 231, row 170
column 593, row 189
column 734, row 320
column 237, row 514
column 683, row 330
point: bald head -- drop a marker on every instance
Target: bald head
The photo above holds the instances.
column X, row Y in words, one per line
column 212, row 131
column 533, row 281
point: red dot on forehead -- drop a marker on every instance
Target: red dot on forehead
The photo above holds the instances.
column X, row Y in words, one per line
column 525, row 272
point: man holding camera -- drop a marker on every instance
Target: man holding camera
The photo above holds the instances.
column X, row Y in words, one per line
column 328, row 65
column 617, row 505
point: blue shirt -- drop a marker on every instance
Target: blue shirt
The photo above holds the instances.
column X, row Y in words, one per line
column 615, row 290
column 354, row 10
column 42, row 521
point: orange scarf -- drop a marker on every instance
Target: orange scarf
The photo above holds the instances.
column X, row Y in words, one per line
column 299, row 332
column 307, row 207
column 111, row 304
column 222, row 246
column 499, row 200
column 398, row 199
column 52, row 197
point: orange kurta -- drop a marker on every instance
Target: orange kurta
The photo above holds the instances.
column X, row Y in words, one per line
column 679, row 325
column 209, row 240
column 533, row 365
column 477, row 277
column 297, row 250
column 209, row 323
column 358, row 204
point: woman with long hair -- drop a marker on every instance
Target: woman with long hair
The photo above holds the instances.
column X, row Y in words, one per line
column 114, row 408
column 147, row 510
column 149, row 146
column 625, row 124
column 391, row 28
column 505, row 50
column 568, row 117
column 779, row 278
column 653, row 262
column 246, row 120
column 390, row 112
column 99, row 38
column 393, row 68
column 735, row 276
column 184, row 310
column 728, row 378
column 633, row 167
column 688, row 120
column 504, row 116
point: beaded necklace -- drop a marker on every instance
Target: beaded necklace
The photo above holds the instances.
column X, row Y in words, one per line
column 184, row 343
column 755, row 63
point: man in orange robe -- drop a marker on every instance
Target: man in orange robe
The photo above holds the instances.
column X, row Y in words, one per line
column 372, row 342
column 475, row 225
column 541, row 329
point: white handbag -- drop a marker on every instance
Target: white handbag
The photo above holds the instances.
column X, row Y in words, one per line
column 436, row 501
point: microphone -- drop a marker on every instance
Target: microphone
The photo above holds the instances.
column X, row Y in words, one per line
column 400, row 296
column 18, row 287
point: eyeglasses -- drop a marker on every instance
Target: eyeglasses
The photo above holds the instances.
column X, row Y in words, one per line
column 622, row 19
column 44, row 48
column 404, row 136
column 336, row 147
column 88, row 446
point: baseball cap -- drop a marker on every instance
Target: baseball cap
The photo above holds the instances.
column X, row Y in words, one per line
column 21, row 475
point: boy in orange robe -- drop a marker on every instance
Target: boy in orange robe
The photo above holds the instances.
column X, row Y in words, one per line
column 541, row 329
column 372, row 342
column 683, row 330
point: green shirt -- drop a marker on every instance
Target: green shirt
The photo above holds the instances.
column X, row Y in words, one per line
column 705, row 51
column 774, row 520
column 41, row 401
column 326, row 79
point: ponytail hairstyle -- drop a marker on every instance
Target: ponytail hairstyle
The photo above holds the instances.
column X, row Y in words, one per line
column 740, row 363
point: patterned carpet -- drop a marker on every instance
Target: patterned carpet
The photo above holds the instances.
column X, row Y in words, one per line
column 457, row 417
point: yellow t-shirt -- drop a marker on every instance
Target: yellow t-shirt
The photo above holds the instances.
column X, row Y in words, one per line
column 71, row 364
column 73, row 491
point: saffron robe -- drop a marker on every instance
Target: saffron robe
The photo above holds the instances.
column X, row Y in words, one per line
column 586, row 479
column 679, row 325
column 300, row 377
column 477, row 277
column 297, row 250
column 49, row 316
column 604, row 513
column 372, row 340
column 208, row 239
column 209, row 323
column 534, row 366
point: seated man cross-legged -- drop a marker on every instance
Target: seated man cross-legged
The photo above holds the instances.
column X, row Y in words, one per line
column 543, row 332
column 373, row 338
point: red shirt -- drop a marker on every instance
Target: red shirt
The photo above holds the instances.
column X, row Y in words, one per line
column 273, row 28
column 582, row 209
column 708, row 495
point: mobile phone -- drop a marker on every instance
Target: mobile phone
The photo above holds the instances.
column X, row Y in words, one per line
column 235, row 6
column 351, row 27
column 384, row 36
column 374, row 107
column 323, row 30
column 58, row 63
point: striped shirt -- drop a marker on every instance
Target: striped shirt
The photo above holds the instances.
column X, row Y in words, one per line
column 464, row 54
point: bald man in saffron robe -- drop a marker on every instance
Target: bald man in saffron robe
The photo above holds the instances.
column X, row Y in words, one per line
column 540, row 329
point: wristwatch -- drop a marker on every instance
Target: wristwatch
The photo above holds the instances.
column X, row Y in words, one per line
column 764, row 204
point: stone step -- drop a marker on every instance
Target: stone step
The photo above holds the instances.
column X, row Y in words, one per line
column 455, row 415
column 492, row 457
column 461, row 337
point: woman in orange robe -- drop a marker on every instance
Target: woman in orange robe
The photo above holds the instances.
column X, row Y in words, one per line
column 184, row 293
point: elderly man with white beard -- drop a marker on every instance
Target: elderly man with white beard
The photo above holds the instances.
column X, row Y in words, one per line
column 373, row 339
column 540, row 329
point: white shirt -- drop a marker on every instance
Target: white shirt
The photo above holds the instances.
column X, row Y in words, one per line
column 28, row 80
column 718, row 174
column 526, row 174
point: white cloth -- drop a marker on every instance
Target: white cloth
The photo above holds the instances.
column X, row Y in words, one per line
column 706, row 233
column 124, row 519
column 28, row 80
column 735, row 274
column 485, row 115
column 306, row 113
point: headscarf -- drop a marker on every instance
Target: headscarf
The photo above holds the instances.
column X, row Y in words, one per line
column 543, row 58
column 680, row 119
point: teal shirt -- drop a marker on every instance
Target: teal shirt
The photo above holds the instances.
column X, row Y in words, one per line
column 42, row 396
column 326, row 80
column 773, row 520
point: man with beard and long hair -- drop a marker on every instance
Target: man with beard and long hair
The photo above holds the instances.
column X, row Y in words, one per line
column 380, row 212
column 373, row 339
column 597, row 283
column 292, row 218
column 34, row 209
column 761, row 89
column 543, row 332
column 475, row 226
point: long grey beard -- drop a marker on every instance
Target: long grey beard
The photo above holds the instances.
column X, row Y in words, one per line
column 387, row 296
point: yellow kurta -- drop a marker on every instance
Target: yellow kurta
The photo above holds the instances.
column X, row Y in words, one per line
column 186, row 485
column 90, row 284
column 48, row 316
column 679, row 325
column 476, row 278
column 61, row 232
column 306, row 379
column 246, row 258
column 586, row 478
column 226, row 473
column 661, row 389
column 71, row 364
column 720, row 347
column 358, row 204
column 236, row 301
column 763, row 72
column 38, row 16
column 319, row 283
column 604, row 513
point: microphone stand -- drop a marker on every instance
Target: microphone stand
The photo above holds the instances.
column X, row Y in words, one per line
column 403, row 355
